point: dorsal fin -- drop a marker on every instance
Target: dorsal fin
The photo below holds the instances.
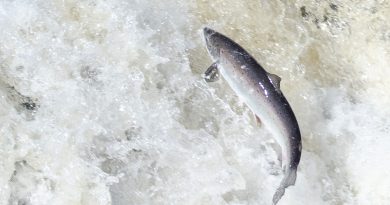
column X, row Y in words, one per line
column 275, row 80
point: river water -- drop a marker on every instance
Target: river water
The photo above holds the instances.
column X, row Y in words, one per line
column 102, row 102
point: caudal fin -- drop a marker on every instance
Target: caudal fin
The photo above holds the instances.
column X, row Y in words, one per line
column 288, row 180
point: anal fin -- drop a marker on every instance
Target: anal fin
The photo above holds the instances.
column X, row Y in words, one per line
column 258, row 120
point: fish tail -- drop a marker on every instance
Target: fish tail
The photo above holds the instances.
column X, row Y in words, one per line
column 288, row 180
column 290, row 177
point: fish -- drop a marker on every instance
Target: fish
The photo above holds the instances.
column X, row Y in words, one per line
column 260, row 91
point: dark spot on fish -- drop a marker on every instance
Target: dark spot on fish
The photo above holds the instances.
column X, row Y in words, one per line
column 304, row 13
column 334, row 7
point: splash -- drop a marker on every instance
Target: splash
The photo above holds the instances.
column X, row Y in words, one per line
column 102, row 102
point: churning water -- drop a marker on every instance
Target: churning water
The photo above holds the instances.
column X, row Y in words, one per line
column 102, row 102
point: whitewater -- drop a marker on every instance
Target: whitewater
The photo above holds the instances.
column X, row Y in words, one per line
column 103, row 102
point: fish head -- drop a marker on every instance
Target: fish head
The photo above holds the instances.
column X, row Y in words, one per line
column 214, row 42
column 223, row 49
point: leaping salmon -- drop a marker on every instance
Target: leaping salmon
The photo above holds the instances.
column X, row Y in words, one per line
column 259, row 90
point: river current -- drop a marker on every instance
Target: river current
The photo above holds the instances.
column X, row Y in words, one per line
column 103, row 102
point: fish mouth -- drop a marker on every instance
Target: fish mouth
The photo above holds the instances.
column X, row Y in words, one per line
column 207, row 32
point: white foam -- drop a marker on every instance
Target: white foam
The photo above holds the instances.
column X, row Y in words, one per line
column 122, row 115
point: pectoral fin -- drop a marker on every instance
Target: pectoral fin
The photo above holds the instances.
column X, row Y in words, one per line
column 212, row 73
